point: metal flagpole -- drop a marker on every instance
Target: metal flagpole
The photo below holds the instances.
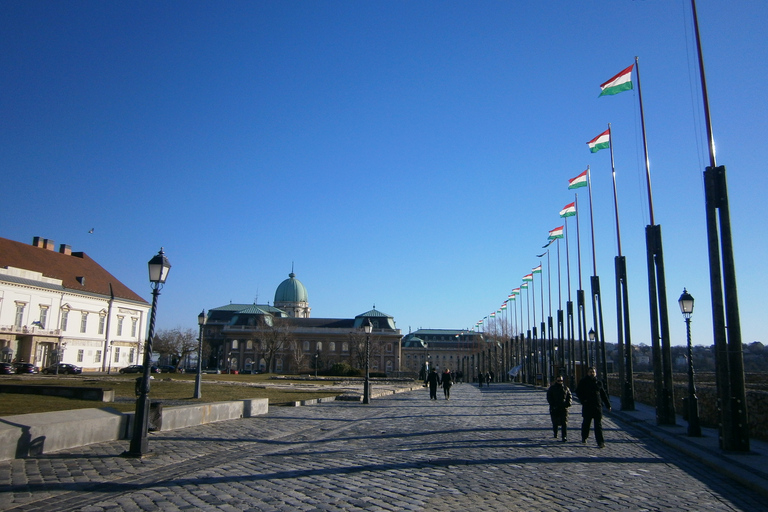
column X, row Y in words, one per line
column 582, row 319
column 597, row 302
column 569, row 311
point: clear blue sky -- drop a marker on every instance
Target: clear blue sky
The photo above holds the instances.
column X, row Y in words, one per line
column 412, row 155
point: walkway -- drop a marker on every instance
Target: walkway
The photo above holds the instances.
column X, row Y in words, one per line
column 485, row 449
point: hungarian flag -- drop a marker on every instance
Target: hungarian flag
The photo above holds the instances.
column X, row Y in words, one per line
column 556, row 233
column 524, row 285
column 548, row 244
column 578, row 182
column 619, row 83
column 528, row 277
column 602, row 141
column 511, row 296
column 568, row 210
column 542, row 254
column 537, row 270
column 493, row 315
column 516, row 290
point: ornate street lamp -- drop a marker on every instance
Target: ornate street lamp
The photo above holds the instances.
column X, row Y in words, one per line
column 199, row 377
column 367, row 327
column 686, row 308
column 591, row 334
column 159, row 266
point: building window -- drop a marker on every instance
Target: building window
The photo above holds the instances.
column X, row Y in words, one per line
column 97, row 357
column 332, row 346
column 64, row 319
column 305, row 345
column 319, row 346
column 278, row 365
column 120, row 325
column 102, row 319
column 132, row 355
column 80, row 356
column 134, row 323
column 43, row 316
column 345, row 347
column 249, row 345
column 117, row 354
column 389, row 348
column 83, row 321
column 19, row 320
column 234, row 344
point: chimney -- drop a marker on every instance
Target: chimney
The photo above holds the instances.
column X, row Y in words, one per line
column 37, row 241
column 65, row 249
column 49, row 244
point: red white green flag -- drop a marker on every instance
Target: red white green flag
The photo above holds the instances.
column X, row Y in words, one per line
column 602, row 141
column 568, row 210
column 528, row 277
column 524, row 285
column 493, row 315
column 537, row 270
column 619, row 83
column 556, row 233
column 578, row 182
column 516, row 290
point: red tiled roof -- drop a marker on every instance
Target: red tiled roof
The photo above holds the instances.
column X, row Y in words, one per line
column 67, row 267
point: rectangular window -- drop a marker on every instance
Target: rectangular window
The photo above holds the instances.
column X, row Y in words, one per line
column 19, row 314
column 120, row 326
column 117, row 354
column 43, row 316
column 102, row 319
column 64, row 319
column 97, row 357
column 80, row 356
column 131, row 355
column 134, row 322
column 83, row 321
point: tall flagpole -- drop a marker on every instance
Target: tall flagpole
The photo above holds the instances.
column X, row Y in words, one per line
column 657, row 290
column 560, row 325
column 597, row 302
column 569, row 311
column 729, row 357
column 582, row 320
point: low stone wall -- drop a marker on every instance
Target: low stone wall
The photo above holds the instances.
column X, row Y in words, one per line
column 76, row 392
column 757, row 403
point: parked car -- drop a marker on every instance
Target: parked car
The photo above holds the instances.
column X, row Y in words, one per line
column 64, row 369
column 138, row 368
column 7, row 369
column 168, row 368
column 26, row 368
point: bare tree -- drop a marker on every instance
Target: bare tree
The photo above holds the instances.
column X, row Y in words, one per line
column 298, row 358
column 175, row 344
column 276, row 335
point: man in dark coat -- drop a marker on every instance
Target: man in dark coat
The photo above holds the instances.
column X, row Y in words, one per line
column 592, row 396
column 447, row 382
column 433, row 379
column 559, row 399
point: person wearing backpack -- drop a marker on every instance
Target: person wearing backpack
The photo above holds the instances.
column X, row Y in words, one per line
column 559, row 399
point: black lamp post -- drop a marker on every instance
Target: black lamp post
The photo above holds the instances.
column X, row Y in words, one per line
column 317, row 355
column 159, row 266
column 686, row 307
column 199, row 377
column 591, row 335
column 367, row 327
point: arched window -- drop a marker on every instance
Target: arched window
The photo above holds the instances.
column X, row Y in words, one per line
column 234, row 344
column 306, row 346
column 278, row 365
column 249, row 345
column 389, row 366
column 332, row 346
column 345, row 347
column 319, row 346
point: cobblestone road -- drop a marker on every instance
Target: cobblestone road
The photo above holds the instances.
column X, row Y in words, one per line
column 485, row 449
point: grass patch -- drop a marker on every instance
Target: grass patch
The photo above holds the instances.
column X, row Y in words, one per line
column 176, row 387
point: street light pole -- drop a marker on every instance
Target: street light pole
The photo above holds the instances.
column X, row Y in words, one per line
column 159, row 266
column 367, row 327
column 694, row 427
column 199, row 376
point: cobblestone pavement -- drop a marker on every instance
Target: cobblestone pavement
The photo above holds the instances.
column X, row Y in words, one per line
column 484, row 449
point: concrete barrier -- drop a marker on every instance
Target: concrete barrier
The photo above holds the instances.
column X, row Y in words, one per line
column 77, row 392
column 172, row 418
column 34, row 434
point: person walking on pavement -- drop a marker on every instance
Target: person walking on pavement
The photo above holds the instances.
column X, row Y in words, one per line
column 433, row 379
column 488, row 379
column 447, row 382
column 592, row 396
column 559, row 399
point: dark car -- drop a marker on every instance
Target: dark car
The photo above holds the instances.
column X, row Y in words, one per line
column 6, row 369
column 26, row 368
column 138, row 368
column 168, row 368
column 63, row 369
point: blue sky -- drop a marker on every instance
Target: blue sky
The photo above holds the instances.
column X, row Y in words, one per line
column 411, row 155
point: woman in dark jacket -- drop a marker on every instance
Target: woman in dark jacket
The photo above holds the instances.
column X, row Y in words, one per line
column 447, row 383
column 559, row 399
column 433, row 379
column 592, row 396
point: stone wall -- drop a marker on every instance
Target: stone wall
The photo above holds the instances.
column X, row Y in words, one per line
column 757, row 403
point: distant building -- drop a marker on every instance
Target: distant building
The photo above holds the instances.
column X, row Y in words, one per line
column 283, row 338
column 440, row 348
column 62, row 306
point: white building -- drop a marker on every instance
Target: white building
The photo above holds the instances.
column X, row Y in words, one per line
column 63, row 306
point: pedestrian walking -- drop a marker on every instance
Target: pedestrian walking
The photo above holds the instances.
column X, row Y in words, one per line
column 488, row 379
column 447, row 382
column 559, row 399
column 592, row 396
column 480, row 379
column 433, row 379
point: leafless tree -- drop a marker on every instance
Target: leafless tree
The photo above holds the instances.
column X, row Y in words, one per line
column 276, row 336
column 296, row 353
column 175, row 344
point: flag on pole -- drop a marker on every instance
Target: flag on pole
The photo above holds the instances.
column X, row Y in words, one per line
column 602, row 141
column 545, row 252
column 516, row 290
column 537, row 270
column 493, row 314
column 556, row 233
column 528, row 277
column 619, row 83
column 568, row 210
column 524, row 285
column 551, row 241
column 578, row 182
column 511, row 296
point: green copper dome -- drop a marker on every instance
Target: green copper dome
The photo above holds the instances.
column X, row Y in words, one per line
column 291, row 290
